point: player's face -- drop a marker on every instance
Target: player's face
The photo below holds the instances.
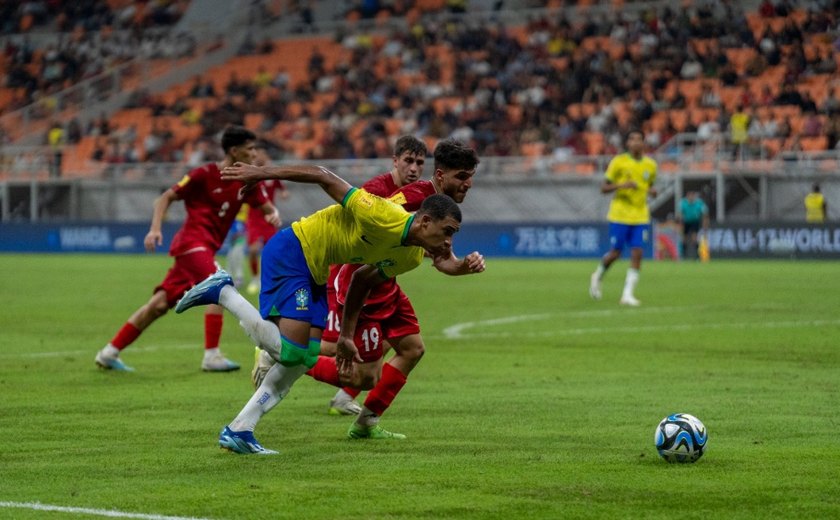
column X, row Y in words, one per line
column 437, row 234
column 246, row 153
column 261, row 157
column 635, row 143
column 409, row 167
column 455, row 183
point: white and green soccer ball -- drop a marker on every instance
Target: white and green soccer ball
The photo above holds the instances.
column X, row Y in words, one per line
column 681, row 437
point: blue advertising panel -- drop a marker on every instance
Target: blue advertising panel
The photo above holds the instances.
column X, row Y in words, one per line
column 775, row 240
column 88, row 237
column 540, row 240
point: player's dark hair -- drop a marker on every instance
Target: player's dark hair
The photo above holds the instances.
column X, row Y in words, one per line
column 816, row 187
column 410, row 144
column 451, row 154
column 440, row 206
column 236, row 136
column 634, row 131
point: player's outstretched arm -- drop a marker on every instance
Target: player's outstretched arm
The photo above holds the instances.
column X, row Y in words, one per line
column 453, row 266
column 154, row 237
column 335, row 186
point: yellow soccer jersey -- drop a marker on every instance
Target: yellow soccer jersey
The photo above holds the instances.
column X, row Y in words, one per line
column 814, row 204
column 629, row 206
column 363, row 229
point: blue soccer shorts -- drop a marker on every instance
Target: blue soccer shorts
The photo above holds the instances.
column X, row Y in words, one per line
column 287, row 287
column 628, row 235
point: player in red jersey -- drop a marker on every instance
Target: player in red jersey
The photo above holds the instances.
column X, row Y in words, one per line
column 257, row 229
column 212, row 205
column 408, row 160
column 388, row 312
column 387, row 319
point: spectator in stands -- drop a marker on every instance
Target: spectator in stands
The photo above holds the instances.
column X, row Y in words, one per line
column 202, row 88
column 812, row 126
column 789, row 96
column 708, row 97
column 739, row 124
column 56, row 140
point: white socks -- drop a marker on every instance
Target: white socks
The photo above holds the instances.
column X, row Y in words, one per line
column 276, row 385
column 263, row 333
column 630, row 282
column 367, row 418
column 599, row 272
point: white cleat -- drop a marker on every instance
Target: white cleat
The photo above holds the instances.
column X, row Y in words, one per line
column 594, row 287
column 629, row 301
column 339, row 406
column 218, row 363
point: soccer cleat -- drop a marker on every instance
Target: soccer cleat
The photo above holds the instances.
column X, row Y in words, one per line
column 205, row 292
column 243, row 443
column 343, row 406
column 253, row 287
column 595, row 287
column 262, row 364
column 377, row 432
column 339, row 406
column 218, row 363
column 630, row 301
column 111, row 362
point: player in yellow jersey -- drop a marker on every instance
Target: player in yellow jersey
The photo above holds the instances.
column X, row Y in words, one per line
column 815, row 206
column 629, row 177
column 362, row 229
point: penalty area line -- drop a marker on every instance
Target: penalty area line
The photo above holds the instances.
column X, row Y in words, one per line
column 37, row 506
column 646, row 328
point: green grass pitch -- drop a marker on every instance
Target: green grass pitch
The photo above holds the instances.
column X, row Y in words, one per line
column 532, row 401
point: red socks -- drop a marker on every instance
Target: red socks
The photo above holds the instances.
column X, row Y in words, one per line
column 126, row 336
column 352, row 392
column 255, row 266
column 383, row 394
column 212, row 330
column 325, row 370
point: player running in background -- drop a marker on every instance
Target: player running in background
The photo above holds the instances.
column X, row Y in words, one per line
column 630, row 177
column 388, row 311
column 257, row 229
column 211, row 205
column 363, row 229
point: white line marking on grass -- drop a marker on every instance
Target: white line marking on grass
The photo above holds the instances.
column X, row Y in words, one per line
column 649, row 328
column 61, row 353
column 37, row 506
column 457, row 331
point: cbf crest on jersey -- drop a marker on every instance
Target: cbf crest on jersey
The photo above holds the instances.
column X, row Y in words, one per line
column 646, row 176
column 302, row 299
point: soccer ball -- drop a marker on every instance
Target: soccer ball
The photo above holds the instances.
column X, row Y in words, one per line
column 680, row 438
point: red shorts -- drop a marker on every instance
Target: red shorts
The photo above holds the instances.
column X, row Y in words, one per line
column 189, row 269
column 394, row 320
column 259, row 230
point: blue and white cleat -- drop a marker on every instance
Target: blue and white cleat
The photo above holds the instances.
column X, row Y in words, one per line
column 205, row 292
column 111, row 362
column 243, row 443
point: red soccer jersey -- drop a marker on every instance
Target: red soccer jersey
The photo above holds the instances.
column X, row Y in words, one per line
column 381, row 185
column 412, row 195
column 211, row 205
column 255, row 214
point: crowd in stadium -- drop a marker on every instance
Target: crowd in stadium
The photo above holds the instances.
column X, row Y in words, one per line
column 556, row 85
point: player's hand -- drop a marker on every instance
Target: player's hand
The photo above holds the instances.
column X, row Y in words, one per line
column 629, row 185
column 474, row 262
column 652, row 192
column 346, row 354
column 274, row 219
column 152, row 240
